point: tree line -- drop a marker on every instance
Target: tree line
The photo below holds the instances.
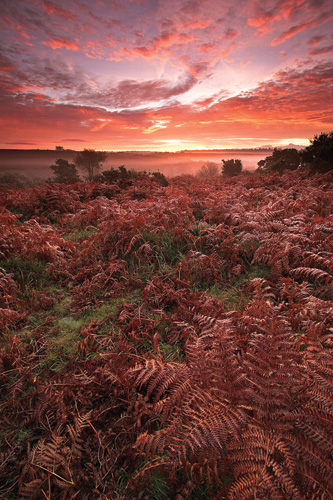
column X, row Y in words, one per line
column 317, row 157
column 90, row 162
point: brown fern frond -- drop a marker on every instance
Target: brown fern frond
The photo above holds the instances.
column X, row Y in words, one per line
column 32, row 489
column 10, row 318
column 322, row 260
column 312, row 274
column 75, row 433
column 160, row 377
column 144, row 473
column 48, row 454
column 270, row 463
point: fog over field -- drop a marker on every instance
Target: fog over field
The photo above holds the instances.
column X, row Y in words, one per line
column 36, row 163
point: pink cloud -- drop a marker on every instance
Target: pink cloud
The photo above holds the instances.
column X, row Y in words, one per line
column 189, row 39
column 303, row 13
column 51, row 8
column 160, row 44
column 21, row 143
column 198, row 24
column 207, row 48
column 41, row 97
column 17, row 26
column 196, row 69
column 230, row 34
column 321, row 51
column 59, row 43
column 316, row 39
column 130, row 93
column 262, row 21
column 294, row 30
column 73, row 140
column 6, row 66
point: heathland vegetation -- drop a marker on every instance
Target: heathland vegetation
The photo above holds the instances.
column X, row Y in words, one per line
column 168, row 339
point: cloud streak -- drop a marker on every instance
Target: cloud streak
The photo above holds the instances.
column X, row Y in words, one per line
column 130, row 93
column 294, row 30
column 60, row 43
column 144, row 73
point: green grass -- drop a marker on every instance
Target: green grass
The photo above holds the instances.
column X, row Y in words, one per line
column 159, row 487
column 27, row 273
column 62, row 307
column 198, row 227
column 62, row 343
column 233, row 298
column 79, row 235
column 66, row 335
column 22, row 434
column 171, row 353
column 166, row 248
column 258, row 271
column 235, row 295
column 111, row 306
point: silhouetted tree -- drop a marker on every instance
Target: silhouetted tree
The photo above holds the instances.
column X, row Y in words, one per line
column 90, row 161
column 319, row 155
column 208, row 169
column 232, row 167
column 64, row 171
column 280, row 160
column 59, row 148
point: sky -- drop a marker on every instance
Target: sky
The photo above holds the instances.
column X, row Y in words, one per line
column 164, row 75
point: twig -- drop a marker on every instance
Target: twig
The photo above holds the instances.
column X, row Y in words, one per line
column 54, row 473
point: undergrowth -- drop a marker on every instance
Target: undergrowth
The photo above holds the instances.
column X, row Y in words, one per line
column 167, row 342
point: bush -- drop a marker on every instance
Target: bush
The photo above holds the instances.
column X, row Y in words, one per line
column 232, row 167
column 280, row 160
column 114, row 175
column 208, row 169
column 17, row 180
column 319, row 155
column 160, row 178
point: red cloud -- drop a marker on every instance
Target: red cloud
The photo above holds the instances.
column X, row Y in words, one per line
column 160, row 44
column 73, row 140
column 316, row 39
column 198, row 24
column 324, row 17
column 213, row 50
column 304, row 14
column 17, row 26
column 230, row 34
column 262, row 21
column 321, row 51
column 42, row 97
column 51, row 8
column 21, row 143
column 130, row 93
column 59, row 43
column 265, row 18
column 207, row 48
column 6, row 66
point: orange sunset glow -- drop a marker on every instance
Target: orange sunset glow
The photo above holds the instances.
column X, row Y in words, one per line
column 165, row 76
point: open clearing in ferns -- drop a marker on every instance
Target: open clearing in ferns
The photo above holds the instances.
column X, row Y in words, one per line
column 167, row 342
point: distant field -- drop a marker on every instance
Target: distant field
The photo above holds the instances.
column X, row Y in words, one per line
column 36, row 163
